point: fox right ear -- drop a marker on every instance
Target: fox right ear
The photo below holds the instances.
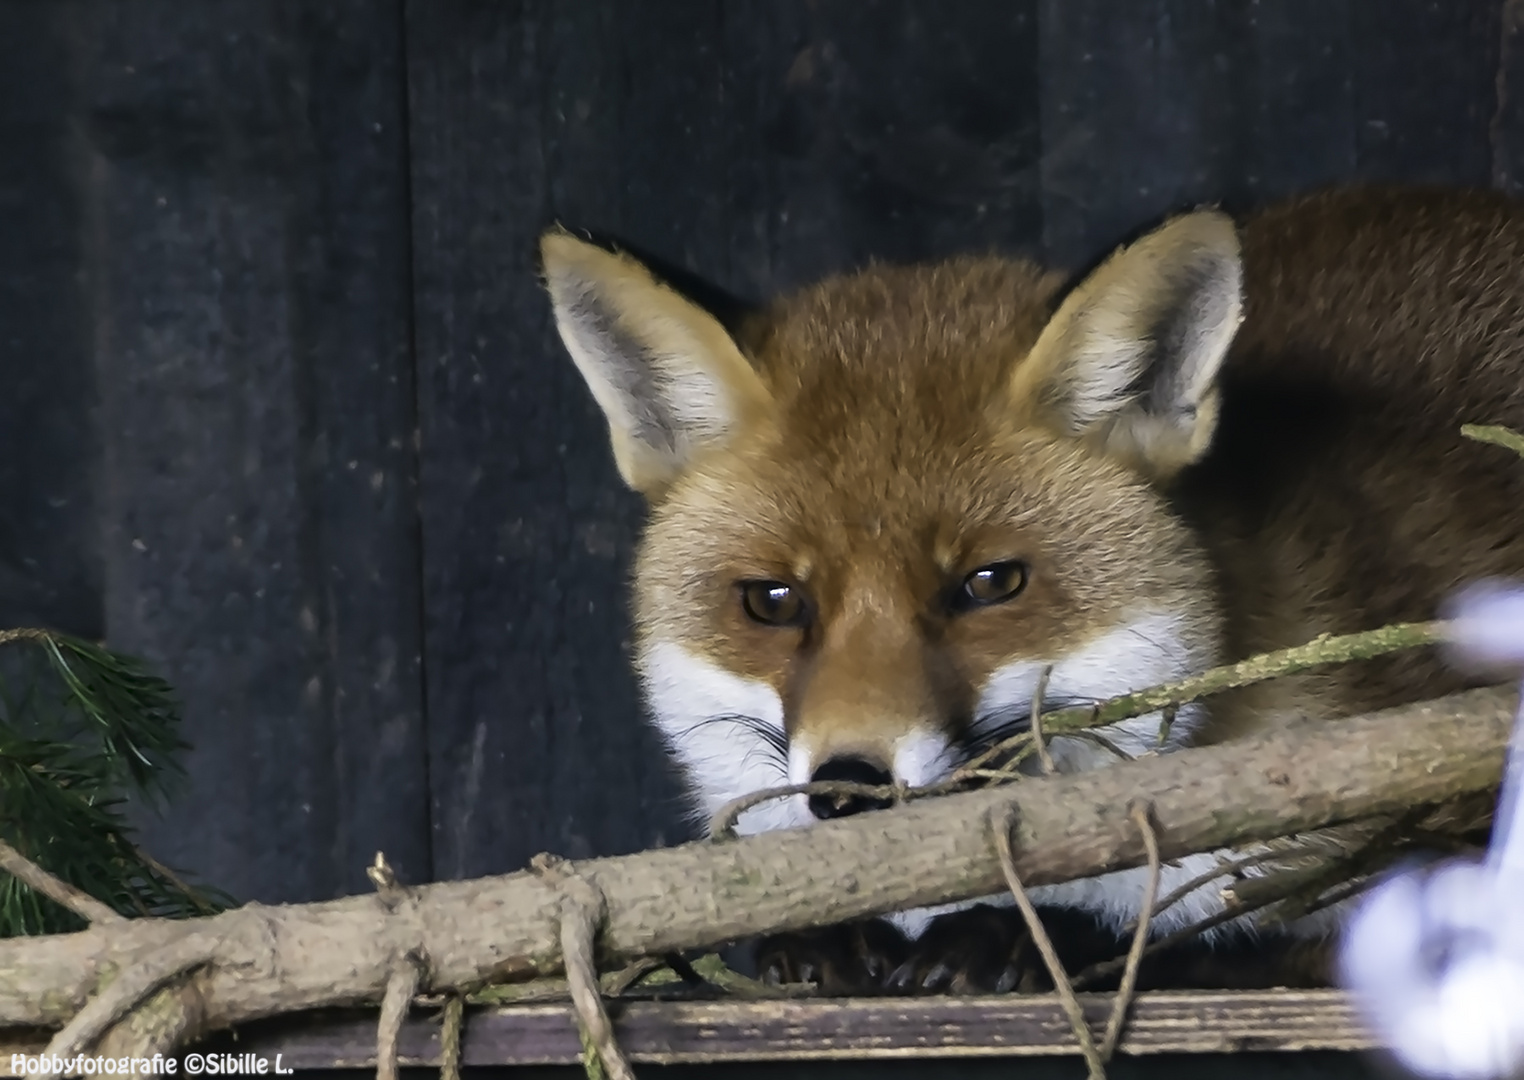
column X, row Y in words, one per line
column 670, row 380
column 1129, row 361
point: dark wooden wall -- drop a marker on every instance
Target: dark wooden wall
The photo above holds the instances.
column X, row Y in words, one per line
column 283, row 412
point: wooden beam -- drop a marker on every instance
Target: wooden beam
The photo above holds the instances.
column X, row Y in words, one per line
column 820, row 1029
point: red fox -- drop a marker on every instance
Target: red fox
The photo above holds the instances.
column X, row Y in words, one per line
column 882, row 507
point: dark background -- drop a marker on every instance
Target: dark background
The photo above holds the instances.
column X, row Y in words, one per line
column 282, row 408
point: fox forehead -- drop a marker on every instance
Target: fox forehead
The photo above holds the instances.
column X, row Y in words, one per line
column 901, row 363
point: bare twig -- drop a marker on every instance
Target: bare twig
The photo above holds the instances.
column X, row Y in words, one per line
column 1167, row 698
column 1185, row 933
column 618, row 982
column 450, row 1024
column 1014, row 750
column 1167, row 722
column 1140, row 816
column 1000, row 822
column 140, row 979
column 1223, row 869
column 583, row 910
column 1325, row 649
column 384, row 878
column 592, row 1064
column 722, row 825
column 39, row 880
column 400, row 990
column 174, row 879
column 1043, row 756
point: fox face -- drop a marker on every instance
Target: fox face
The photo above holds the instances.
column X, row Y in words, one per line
column 885, row 508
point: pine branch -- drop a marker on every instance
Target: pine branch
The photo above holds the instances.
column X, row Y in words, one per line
column 88, row 729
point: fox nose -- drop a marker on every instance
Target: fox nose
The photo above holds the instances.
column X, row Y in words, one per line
column 853, row 770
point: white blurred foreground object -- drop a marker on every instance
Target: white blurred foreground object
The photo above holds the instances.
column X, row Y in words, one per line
column 1435, row 959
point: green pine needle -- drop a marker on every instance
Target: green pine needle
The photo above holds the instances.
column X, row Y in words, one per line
column 88, row 728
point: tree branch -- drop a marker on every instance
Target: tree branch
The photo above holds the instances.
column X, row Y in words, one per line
column 265, row 961
column 39, row 880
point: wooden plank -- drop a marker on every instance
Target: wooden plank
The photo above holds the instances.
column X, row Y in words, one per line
column 1425, row 86
column 1506, row 131
column 898, row 131
column 818, row 1030
column 750, row 145
column 1153, row 106
column 1140, row 116
column 246, row 251
column 50, row 567
column 1295, row 94
column 535, row 737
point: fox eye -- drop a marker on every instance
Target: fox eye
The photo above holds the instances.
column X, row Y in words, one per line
column 993, row 584
column 772, row 603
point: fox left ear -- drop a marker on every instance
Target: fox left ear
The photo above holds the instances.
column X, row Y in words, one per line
column 670, row 380
column 1129, row 362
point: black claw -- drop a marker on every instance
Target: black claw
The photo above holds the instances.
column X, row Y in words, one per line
column 939, row 976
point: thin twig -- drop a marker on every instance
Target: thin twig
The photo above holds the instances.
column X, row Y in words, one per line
column 60, row 892
column 1001, row 822
column 1097, row 739
column 1325, row 649
column 401, row 987
column 1498, row 436
column 1169, row 697
column 592, row 1064
column 451, row 1022
column 616, row 983
column 583, row 910
column 1139, row 812
column 1220, row 870
column 174, row 879
column 722, row 824
column 135, row 983
column 384, row 878
column 25, row 634
column 1043, row 756
column 1185, row 933
column 1167, row 722
column 975, row 766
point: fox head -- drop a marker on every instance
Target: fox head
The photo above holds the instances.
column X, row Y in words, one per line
column 883, row 507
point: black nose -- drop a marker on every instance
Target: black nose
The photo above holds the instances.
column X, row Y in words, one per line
column 853, row 770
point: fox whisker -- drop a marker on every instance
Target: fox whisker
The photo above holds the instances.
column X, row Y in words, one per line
column 773, row 740
column 992, row 727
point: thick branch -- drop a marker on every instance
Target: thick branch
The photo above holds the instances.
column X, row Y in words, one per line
column 270, row 960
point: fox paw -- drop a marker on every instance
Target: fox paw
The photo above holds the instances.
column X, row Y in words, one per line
column 854, row 958
column 980, row 950
column 990, row 950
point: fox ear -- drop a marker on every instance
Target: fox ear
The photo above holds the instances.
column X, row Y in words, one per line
column 1129, row 362
column 669, row 379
